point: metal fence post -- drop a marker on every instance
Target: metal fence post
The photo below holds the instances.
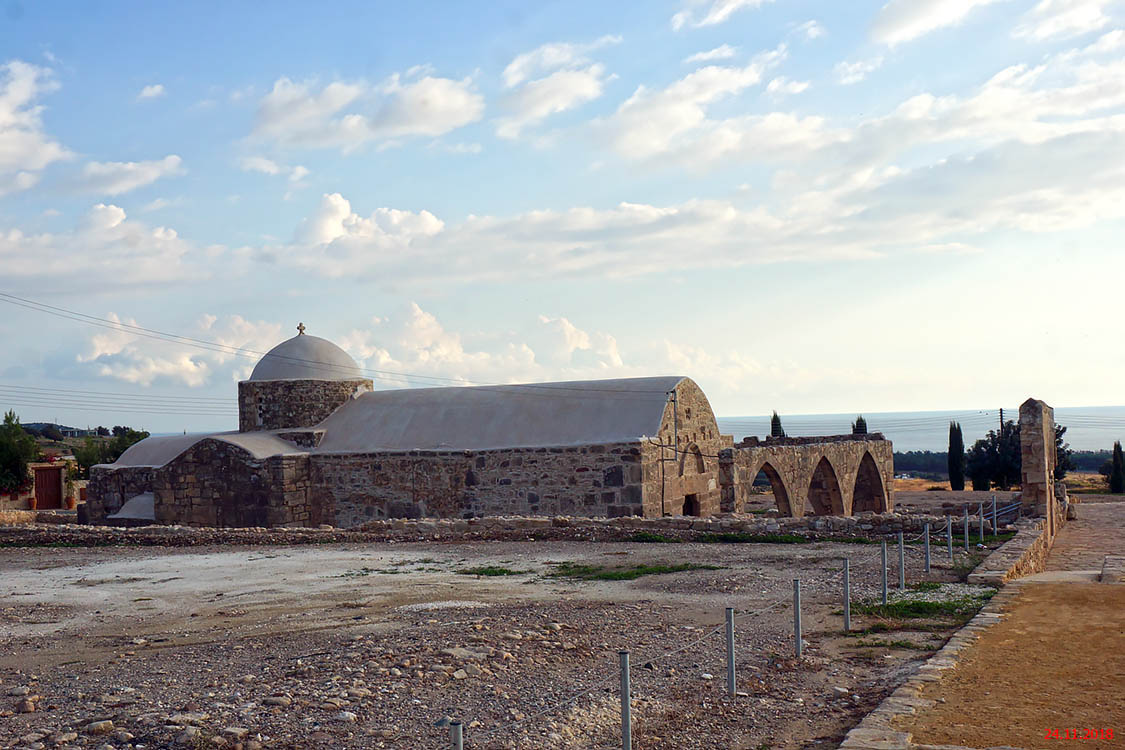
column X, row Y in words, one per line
column 730, row 652
column 884, row 547
column 797, row 617
column 949, row 536
column 901, row 563
column 455, row 735
column 981, row 522
column 995, row 518
column 966, row 529
column 847, row 595
column 626, row 703
column 926, row 537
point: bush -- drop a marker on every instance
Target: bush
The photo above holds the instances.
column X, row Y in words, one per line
column 17, row 449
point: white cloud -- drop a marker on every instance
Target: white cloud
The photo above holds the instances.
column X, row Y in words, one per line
column 903, row 20
column 349, row 115
column 553, row 56
column 848, row 73
column 270, row 167
column 117, row 177
column 122, row 354
column 1063, row 18
column 25, row 149
column 558, row 92
column 811, row 30
column 783, row 85
column 152, row 91
column 722, row 52
column 156, row 205
column 1111, row 41
column 542, row 349
column 386, row 228
column 716, row 12
column 650, row 122
column 570, row 81
column 105, row 250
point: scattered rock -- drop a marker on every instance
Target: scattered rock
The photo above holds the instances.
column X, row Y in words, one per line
column 98, row 727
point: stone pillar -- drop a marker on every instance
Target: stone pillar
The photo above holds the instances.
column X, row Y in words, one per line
column 727, row 498
column 1037, row 456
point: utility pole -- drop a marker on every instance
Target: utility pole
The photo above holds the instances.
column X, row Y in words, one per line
column 675, row 425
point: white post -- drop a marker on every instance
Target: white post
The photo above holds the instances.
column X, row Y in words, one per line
column 847, row 596
column 926, row 537
column 797, row 617
column 730, row 652
column 626, row 703
column 901, row 563
column 884, row 548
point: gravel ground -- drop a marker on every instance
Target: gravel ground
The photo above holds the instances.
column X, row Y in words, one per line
column 378, row 645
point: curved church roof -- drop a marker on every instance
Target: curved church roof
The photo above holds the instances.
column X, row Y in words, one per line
column 505, row 416
column 306, row 358
column 158, row 450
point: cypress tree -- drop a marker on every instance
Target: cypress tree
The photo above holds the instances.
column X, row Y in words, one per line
column 956, row 459
column 859, row 426
column 1117, row 473
column 775, row 426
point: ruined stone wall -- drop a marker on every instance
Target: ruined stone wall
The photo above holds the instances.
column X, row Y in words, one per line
column 215, row 483
column 1037, row 457
column 288, row 404
column 109, row 488
column 835, row 475
column 592, row 480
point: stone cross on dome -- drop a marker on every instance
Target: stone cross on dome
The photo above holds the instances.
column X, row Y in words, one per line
column 300, row 329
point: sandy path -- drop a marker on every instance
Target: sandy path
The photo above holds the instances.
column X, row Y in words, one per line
column 1055, row 662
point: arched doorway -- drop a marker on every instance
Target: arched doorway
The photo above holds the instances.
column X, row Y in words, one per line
column 869, row 494
column 693, row 471
column 825, row 498
column 768, row 475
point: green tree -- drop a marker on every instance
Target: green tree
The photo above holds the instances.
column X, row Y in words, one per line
column 859, row 426
column 52, row 432
column 1117, row 472
column 1064, row 456
column 956, row 458
column 994, row 460
column 17, row 449
column 91, row 453
column 776, row 429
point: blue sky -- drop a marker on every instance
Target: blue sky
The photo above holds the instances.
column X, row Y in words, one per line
column 806, row 206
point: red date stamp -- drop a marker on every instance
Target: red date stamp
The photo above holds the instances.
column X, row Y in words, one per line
column 1071, row 733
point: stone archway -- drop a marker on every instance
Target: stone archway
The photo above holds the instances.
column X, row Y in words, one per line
column 692, row 462
column 825, row 498
column 780, row 493
column 869, row 494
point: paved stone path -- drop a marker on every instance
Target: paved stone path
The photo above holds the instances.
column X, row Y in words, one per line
column 1056, row 660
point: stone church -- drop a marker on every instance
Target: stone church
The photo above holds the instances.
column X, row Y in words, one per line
column 316, row 444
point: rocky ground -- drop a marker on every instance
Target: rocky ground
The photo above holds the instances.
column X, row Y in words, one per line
column 380, row 645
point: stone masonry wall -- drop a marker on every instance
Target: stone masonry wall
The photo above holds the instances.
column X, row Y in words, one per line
column 288, row 404
column 215, row 483
column 857, row 474
column 1037, row 458
column 108, row 488
column 683, row 478
column 593, row 480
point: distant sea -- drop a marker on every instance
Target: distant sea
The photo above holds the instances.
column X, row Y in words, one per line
column 1088, row 427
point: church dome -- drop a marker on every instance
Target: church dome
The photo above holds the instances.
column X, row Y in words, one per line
column 306, row 357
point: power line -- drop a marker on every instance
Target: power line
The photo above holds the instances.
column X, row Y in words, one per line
column 252, row 353
column 158, row 397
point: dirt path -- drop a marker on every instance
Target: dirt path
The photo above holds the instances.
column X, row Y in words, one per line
column 1055, row 662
